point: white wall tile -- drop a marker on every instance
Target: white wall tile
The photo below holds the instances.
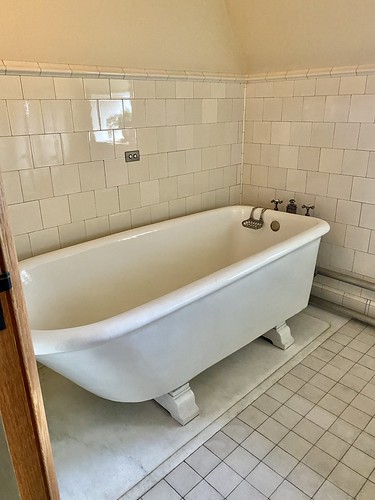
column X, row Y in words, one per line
column 367, row 137
column 10, row 87
column 116, row 172
column 313, row 109
column 125, row 140
column 129, row 197
column 184, row 90
column 317, row 183
column 139, row 172
column 280, row 133
column 209, row 110
column 46, row 150
column 82, row 206
column 331, row 160
column 364, row 263
column 340, row 186
column 69, row 88
column 57, row 116
column 367, row 216
column 269, row 155
column 262, row 132
column 155, row 113
column 357, row 238
column 75, row 147
column 85, row 115
column 144, row 89
column 322, row 134
column 92, row 175
column 355, row 162
column 337, row 109
column 283, row 88
column 121, row 89
column 308, row 158
column 362, row 109
column 304, row 87
column 25, row 117
column 165, row 89
column 292, row 109
column 119, row 222
column 185, row 137
column 202, row 89
column 288, row 157
column 300, row 134
column 23, row 247
column 15, row 153
column 353, row 84
column 348, row 212
column 37, row 88
column 296, row 180
column 166, row 139
column 12, row 187
column 65, row 179
column 111, row 114
column 4, row 121
column 101, row 145
column 363, row 190
column 147, row 140
column 71, row 234
column 272, row 109
column 175, row 112
column 96, row 89
column 192, row 111
column 97, row 228
column 254, row 109
column 107, row 201
column 55, row 211
column 43, row 241
column 36, row 183
column 327, row 86
column 346, row 135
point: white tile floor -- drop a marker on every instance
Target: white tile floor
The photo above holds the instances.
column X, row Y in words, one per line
column 310, row 435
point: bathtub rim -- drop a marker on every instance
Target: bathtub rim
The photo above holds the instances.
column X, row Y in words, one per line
column 53, row 341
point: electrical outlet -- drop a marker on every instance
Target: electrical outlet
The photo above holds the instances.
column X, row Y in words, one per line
column 132, row 155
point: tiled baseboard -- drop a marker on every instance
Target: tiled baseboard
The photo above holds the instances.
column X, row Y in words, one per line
column 350, row 296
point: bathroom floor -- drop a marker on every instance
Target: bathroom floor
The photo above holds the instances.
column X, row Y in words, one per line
column 309, row 435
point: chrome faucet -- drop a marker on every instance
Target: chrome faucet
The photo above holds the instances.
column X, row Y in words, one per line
column 308, row 208
column 276, row 203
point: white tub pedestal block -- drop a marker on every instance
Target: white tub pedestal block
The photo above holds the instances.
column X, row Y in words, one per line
column 280, row 336
column 180, row 403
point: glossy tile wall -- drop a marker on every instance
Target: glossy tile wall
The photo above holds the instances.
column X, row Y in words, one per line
column 312, row 138
column 62, row 143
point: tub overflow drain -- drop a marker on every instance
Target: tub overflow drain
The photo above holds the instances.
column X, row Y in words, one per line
column 275, row 225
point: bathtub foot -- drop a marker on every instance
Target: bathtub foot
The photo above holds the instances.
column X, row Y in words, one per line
column 280, row 336
column 180, row 403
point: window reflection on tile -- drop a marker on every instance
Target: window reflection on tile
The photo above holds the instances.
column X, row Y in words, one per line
column 85, row 115
column 121, row 89
column 111, row 114
column 46, row 150
column 102, row 145
column 125, row 140
column 25, row 117
column 96, row 89
column 15, row 153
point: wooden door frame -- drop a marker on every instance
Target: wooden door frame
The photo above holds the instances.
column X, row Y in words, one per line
column 21, row 402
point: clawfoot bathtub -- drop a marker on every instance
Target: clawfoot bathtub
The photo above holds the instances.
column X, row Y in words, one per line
column 136, row 315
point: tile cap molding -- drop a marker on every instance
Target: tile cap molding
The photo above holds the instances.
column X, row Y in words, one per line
column 84, row 71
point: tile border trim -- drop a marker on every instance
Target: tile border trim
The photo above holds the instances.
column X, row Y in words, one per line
column 29, row 68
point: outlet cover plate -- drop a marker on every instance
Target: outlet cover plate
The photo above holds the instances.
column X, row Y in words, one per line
column 132, row 155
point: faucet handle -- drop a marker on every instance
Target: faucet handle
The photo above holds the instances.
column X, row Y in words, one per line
column 276, row 203
column 308, row 208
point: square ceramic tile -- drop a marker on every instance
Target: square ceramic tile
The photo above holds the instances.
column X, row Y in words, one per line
column 295, row 445
column 245, row 490
column 266, row 404
column 346, row 479
column 345, row 430
column 353, row 382
column 183, row 478
column 364, row 404
column 286, row 490
column 305, row 479
column 359, row 461
column 308, row 430
column 366, row 443
column 223, row 479
column 252, row 416
column 332, row 372
column 221, row 445
column 362, row 372
column 273, row 430
column 344, row 393
column 264, row 479
column 322, row 382
column 329, row 490
column 258, row 445
column 280, row 461
column 299, row 404
column 355, row 417
column 203, row 490
column 367, row 492
column 241, row 461
column 287, row 417
column 314, row 363
column 332, row 404
column 237, row 430
column 319, row 461
column 333, row 445
column 303, row 372
column 161, row 491
column 280, row 393
column 369, row 391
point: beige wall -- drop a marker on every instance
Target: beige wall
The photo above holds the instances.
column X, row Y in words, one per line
column 155, row 34
column 294, row 34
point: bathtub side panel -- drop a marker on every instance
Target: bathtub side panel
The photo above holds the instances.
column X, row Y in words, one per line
column 166, row 353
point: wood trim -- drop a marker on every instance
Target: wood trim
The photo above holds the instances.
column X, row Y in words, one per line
column 21, row 402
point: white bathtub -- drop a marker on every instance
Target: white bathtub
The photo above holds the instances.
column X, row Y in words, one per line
column 136, row 315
